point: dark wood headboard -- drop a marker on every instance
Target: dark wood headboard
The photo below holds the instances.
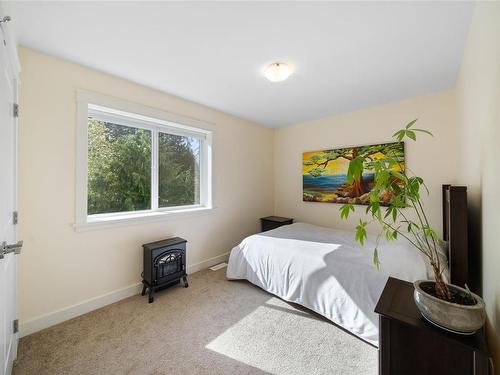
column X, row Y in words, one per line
column 455, row 228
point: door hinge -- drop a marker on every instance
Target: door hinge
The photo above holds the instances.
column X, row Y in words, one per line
column 16, row 110
column 5, row 20
column 12, row 248
column 15, row 217
column 16, row 326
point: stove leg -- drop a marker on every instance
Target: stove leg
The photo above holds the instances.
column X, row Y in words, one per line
column 185, row 279
column 151, row 295
column 143, row 289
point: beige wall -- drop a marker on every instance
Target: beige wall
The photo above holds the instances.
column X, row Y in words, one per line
column 60, row 267
column 478, row 92
column 433, row 158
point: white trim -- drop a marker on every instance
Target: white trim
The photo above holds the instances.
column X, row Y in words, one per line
column 206, row 169
column 207, row 263
column 154, row 170
column 13, row 68
column 140, row 109
column 70, row 312
column 81, row 192
column 135, row 115
column 12, row 353
column 139, row 217
column 145, row 122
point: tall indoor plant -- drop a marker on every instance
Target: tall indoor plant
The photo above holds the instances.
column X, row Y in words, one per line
column 406, row 217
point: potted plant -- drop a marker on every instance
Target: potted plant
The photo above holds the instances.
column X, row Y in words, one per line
column 446, row 305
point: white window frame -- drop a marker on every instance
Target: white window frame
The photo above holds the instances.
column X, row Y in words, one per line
column 138, row 116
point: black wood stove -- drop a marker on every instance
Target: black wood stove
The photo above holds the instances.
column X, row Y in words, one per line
column 164, row 265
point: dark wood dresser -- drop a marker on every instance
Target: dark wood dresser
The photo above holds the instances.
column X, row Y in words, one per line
column 408, row 344
column 273, row 222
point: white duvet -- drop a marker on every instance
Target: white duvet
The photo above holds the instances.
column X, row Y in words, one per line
column 325, row 270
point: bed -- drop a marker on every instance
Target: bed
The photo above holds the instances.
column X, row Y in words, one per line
column 327, row 271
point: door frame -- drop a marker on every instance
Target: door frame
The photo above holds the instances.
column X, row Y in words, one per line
column 13, row 71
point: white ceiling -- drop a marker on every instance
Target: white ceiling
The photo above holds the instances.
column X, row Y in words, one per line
column 346, row 55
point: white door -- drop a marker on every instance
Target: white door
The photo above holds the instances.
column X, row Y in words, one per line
column 8, row 167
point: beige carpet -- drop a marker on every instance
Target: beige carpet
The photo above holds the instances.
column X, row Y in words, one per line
column 213, row 327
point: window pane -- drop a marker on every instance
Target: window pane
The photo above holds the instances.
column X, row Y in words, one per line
column 178, row 170
column 119, row 168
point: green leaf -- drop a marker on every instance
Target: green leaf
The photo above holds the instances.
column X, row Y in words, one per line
column 388, row 211
column 376, row 261
column 355, row 169
column 382, row 178
column 423, row 131
column 399, row 175
column 411, row 134
column 429, row 232
column 399, row 135
column 345, row 209
column 388, row 234
column 410, row 124
column 425, row 186
column 361, row 232
column 397, row 189
column 374, row 195
column 375, row 209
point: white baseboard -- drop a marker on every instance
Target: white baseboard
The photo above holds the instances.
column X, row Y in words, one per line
column 207, row 263
column 47, row 320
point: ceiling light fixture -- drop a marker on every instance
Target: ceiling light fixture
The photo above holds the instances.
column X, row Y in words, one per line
column 277, row 72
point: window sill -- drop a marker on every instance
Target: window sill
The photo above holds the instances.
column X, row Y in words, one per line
column 115, row 221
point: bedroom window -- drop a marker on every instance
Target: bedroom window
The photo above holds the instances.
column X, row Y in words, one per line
column 133, row 166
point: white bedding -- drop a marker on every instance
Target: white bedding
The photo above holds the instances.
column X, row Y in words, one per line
column 325, row 270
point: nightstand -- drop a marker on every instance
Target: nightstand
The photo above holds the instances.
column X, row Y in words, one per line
column 408, row 344
column 273, row 222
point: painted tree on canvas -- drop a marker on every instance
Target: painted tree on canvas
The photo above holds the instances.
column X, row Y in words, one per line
column 338, row 165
